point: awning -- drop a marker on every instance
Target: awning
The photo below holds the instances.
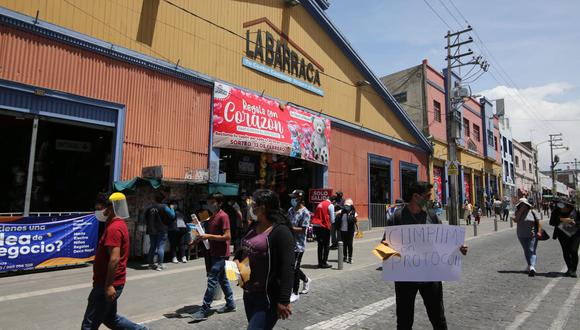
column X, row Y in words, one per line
column 132, row 184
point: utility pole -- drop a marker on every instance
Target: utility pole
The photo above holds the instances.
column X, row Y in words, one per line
column 454, row 96
column 575, row 180
column 555, row 143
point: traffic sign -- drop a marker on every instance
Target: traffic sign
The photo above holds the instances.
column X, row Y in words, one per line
column 452, row 169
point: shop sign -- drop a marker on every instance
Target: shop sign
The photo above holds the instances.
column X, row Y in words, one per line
column 280, row 57
column 197, row 175
column 319, row 195
column 248, row 121
column 39, row 242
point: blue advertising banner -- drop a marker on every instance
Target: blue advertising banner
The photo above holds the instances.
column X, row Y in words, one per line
column 39, row 242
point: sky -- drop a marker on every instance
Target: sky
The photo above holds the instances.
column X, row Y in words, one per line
column 533, row 47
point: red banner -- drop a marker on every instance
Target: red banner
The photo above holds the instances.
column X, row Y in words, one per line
column 319, row 195
column 248, row 121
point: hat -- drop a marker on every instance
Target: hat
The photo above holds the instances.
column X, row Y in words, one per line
column 524, row 200
column 297, row 193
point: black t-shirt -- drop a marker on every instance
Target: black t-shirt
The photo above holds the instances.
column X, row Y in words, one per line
column 403, row 216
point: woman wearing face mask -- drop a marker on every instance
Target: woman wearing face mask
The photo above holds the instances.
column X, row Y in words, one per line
column 528, row 230
column 300, row 218
column 268, row 245
column 566, row 221
column 347, row 223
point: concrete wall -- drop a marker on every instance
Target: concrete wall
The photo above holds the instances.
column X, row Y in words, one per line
column 410, row 81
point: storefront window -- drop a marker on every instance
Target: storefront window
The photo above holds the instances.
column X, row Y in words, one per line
column 72, row 165
column 380, row 180
column 282, row 174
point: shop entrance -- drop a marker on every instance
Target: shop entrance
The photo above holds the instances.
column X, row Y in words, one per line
column 282, row 174
column 72, row 163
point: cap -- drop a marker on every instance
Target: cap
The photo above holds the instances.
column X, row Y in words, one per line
column 297, row 193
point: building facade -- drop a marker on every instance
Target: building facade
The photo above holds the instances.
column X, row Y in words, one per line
column 421, row 90
column 507, row 156
column 524, row 167
column 269, row 95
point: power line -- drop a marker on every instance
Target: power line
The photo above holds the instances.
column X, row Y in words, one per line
column 450, row 13
column 436, row 13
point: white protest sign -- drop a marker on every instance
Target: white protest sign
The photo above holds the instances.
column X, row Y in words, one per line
column 428, row 253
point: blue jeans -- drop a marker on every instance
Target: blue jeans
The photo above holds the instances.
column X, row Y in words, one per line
column 217, row 276
column 157, row 247
column 100, row 311
column 260, row 313
column 529, row 244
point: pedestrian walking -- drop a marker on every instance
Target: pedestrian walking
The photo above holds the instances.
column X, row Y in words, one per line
column 546, row 206
column 497, row 209
column 347, row 219
column 505, row 209
column 529, row 229
column 110, row 268
column 488, row 207
column 300, row 218
column 321, row 222
column 177, row 236
column 477, row 214
column 413, row 213
column 467, row 211
column 338, row 202
column 217, row 232
column 566, row 222
column 159, row 217
column 269, row 246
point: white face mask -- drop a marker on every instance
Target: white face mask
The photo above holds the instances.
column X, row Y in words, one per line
column 252, row 215
column 100, row 215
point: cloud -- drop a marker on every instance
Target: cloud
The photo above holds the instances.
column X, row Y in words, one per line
column 533, row 114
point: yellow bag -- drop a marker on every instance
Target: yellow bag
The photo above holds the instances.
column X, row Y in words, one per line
column 359, row 234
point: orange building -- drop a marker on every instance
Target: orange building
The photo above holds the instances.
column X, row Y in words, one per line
column 261, row 94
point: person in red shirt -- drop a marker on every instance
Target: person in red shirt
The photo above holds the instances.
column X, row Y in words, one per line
column 110, row 267
column 218, row 234
column 321, row 222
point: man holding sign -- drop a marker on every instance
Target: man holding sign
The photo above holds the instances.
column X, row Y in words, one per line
column 429, row 254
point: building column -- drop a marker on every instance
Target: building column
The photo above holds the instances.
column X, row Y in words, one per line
column 473, row 190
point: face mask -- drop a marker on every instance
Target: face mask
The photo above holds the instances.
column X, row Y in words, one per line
column 253, row 216
column 213, row 208
column 294, row 202
column 424, row 203
column 561, row 205
column 100, row 215
column 347, row 208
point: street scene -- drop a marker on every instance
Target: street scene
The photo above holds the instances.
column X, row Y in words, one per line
column 289, row 164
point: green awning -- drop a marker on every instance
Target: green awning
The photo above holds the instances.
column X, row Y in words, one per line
column 132, row 184
column 228, row 189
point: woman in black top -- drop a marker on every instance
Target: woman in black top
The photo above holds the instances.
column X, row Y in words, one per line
column 269, row 246
column 566, row 221
column 347, row 223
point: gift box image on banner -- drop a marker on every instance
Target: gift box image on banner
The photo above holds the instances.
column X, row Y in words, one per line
column 38, row 242
column 247, row 121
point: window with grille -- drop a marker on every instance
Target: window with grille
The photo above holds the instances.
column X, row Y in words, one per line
column 437, row 110
column 466, row 127
column 476, row 134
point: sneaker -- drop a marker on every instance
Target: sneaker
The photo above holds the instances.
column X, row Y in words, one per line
column 345, row 259
column 174, row 260
column 306, row 286
column 184, row 260
column 573, row 275
column 334, row 247
column 200, row 315
column 532, row 272
column 226, row 309
column 294, row 297
column 160, row 267
column 349, row 260
column 324, row 266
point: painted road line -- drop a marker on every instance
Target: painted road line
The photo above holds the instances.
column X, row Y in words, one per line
column 533, row 306
column 90, row 284
column 353, row 318
column 564, row 313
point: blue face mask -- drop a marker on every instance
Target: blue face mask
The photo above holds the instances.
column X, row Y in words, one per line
column 294, row 202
